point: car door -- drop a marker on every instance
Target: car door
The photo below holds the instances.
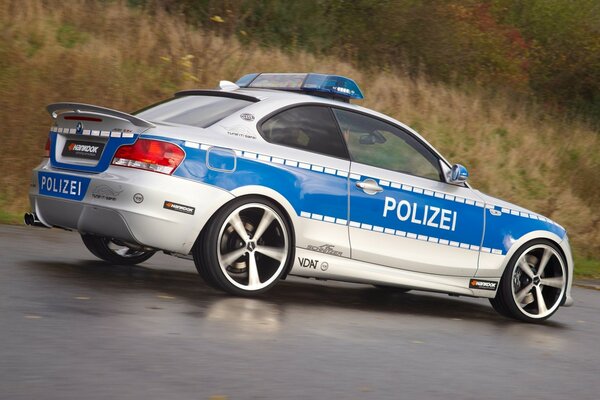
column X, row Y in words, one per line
column 402, row 212
column 312, row 174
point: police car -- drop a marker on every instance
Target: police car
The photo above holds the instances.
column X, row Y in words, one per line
column 278, row 174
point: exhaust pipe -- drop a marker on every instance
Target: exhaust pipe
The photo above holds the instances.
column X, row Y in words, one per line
column 32, row 220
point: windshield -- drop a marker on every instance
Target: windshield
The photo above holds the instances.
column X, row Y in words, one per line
column 200, row 111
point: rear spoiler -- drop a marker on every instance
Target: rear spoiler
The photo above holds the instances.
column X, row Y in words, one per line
column 88, row 108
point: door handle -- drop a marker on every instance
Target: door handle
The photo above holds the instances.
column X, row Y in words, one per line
column 369, row 186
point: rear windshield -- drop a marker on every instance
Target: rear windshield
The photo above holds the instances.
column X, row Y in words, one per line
column 201, row 111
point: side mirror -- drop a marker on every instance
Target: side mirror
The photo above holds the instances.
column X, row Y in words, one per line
column 458, row 174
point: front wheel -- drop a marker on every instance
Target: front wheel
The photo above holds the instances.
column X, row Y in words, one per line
column 114, row 252
column 245, row 248
column 533, row 284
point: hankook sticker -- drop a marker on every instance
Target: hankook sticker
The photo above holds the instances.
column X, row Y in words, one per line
column 169, row 205
column 485, row 285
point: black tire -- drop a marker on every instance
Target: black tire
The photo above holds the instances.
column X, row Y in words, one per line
column 100, row 247
column 499, row 307
column 219, row 240
column 204, row 272
column 392, row 289
column 505, row 302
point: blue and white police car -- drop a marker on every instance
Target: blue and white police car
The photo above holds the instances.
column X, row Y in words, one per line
column 279, row 174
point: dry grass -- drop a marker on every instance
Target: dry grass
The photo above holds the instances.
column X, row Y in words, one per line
column 111, row 55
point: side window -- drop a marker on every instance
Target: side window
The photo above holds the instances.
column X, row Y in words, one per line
column 311, row 128
column 377, row 143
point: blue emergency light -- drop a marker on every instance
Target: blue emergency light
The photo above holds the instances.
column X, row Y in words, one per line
column 338, row 87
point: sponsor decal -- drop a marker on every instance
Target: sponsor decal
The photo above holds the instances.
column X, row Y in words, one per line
column 105, row 192
column 308, row 262
column 485, row 285
column 324, row 266
column 80, row 149
column 241, row 132
column 138, row 198
column 169, row 205
column 325, row 249
column 247, row 117
column 435, row 217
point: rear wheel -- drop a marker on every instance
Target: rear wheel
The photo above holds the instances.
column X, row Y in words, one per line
column 113, row 251
column 533, row 284
column 245, row 248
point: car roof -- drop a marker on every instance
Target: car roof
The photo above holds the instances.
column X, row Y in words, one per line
column 271, row 100
column 292, row 97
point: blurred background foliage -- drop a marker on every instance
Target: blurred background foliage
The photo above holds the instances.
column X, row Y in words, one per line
column 546, row 48
column 509, row 88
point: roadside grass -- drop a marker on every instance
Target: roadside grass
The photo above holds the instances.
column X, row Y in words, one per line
column 587, row 268
column 129, row 58
column 11, row 218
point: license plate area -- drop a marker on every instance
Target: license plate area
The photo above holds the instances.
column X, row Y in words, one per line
column 83, row 149
column 64, row 186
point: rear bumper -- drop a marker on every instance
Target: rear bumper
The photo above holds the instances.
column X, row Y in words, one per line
column 129, row 204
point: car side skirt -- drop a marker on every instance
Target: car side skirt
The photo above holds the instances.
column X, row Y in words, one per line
column 313, row 264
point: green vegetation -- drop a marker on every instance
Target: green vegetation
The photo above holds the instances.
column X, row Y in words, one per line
column 548, row 48
column 586, row 268
column 520, row 150
column 68, row 36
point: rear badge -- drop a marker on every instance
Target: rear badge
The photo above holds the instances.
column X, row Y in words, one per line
column 484, row 285
column 169, row 205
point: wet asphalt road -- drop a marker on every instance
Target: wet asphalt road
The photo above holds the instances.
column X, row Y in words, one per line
column 72, row 327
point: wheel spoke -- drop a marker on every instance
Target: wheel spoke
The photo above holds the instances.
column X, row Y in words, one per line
column 553, row 282
column 541, row 303
column 525, row 268
column 236, row 222
column 276, row 253
column 122, row 251
column 253, row 278
column 229, row 258
column 544, row 261
column 264, row 223
column 523, row 292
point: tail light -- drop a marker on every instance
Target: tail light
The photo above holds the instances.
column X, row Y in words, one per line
column 47, row 148
column 150, row 155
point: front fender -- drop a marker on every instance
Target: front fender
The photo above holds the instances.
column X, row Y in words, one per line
column 493, row 265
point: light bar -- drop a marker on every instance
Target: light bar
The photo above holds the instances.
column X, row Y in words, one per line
column 334, row 85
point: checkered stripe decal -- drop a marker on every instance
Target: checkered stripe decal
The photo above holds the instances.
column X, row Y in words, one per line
column 91, row 132
column 355, row 224
column 400, row 233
